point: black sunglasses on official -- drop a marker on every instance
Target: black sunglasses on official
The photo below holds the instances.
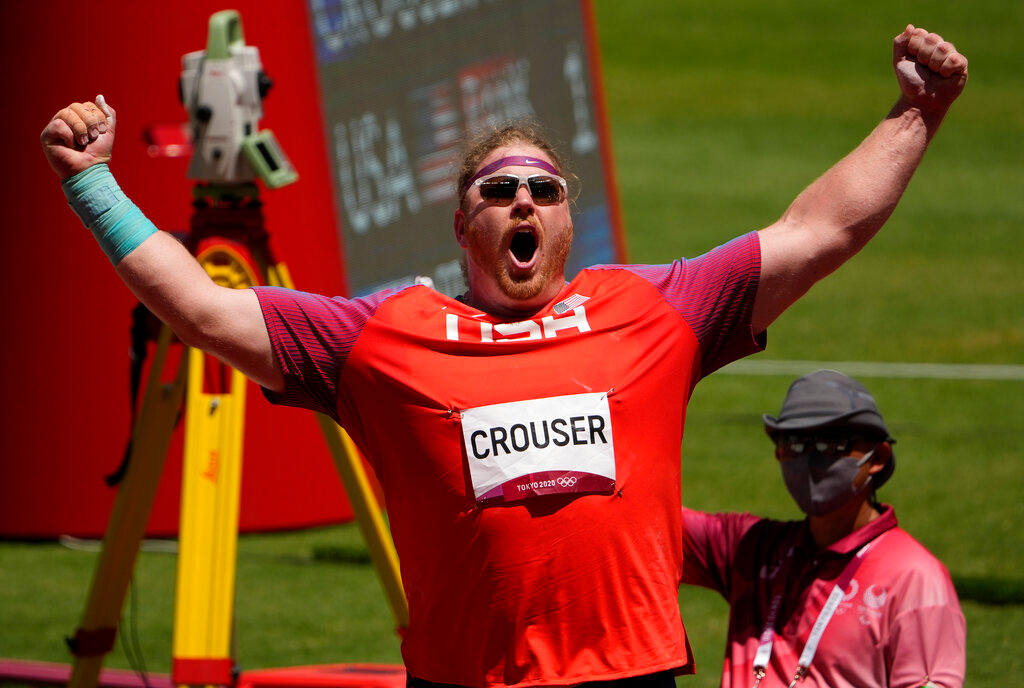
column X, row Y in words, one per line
column 546, row 189
column 792, row 445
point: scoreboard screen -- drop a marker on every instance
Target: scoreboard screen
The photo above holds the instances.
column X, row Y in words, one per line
column 403, row 83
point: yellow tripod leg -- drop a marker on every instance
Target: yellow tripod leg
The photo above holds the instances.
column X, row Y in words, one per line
column 364, row 502
column 368, row 516
column 211, row 487
column 151, row 435
column 211, row 481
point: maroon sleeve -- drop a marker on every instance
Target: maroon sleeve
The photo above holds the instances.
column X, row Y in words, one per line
column 715, row 295
column 710, row 544
column 312, row 336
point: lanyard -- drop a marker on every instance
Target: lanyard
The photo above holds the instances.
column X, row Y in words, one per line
column 767, row 639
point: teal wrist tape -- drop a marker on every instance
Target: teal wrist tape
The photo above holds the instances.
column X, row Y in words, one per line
column 92, row 192
column 117, row 223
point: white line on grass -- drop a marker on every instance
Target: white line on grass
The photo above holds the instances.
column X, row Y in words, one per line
column 941, row 371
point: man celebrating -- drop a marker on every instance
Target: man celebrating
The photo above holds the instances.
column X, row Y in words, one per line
column 526, row 435
column 844, row 598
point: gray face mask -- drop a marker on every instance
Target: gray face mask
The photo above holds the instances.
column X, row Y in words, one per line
column 820, row 484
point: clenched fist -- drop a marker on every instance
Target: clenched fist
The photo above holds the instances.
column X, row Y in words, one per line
column 930, row 71
column 79, row 136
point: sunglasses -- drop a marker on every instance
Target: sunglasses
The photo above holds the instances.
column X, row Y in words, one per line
column 790, row 446
column 546, row 189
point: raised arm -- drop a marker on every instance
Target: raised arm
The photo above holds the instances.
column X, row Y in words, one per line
column 78, row 143
column 834, row 217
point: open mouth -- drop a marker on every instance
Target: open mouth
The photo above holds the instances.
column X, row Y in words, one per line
column 523, row 246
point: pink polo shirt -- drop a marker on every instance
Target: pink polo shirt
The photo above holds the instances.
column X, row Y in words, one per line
column 899, row 624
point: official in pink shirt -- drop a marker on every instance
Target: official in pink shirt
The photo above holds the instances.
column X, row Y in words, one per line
column 844, row 598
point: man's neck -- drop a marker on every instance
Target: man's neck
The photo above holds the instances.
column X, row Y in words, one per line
column 833, row 527
column 508, row 308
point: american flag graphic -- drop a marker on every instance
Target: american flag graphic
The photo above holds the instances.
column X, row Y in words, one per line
column 570, row 303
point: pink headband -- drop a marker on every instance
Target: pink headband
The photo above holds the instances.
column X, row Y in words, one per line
column 505, row 162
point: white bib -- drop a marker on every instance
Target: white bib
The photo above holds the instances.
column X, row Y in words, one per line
column 536, row 447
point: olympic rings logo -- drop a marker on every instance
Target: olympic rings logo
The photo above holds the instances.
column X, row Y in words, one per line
column 566, row 481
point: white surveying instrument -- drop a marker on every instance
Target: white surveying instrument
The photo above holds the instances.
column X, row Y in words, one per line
column 223, row 88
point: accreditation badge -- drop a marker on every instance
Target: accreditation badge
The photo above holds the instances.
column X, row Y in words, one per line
column 555, row 445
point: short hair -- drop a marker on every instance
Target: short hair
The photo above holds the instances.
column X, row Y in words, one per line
column 478, row 147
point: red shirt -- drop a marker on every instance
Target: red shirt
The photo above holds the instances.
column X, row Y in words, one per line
column 899, row 624
column 550, row 589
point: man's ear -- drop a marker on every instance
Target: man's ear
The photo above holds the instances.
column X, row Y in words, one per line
column 459, row 226
column 881, row 457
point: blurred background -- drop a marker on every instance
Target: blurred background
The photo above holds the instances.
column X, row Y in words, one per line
column 715, row 117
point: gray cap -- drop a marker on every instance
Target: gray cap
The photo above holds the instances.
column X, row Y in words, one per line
column 830, row 399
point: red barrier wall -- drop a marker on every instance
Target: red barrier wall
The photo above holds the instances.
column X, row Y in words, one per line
column 64, row 366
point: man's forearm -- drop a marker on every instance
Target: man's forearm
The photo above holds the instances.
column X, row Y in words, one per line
column 838, row 213
column 848, row 204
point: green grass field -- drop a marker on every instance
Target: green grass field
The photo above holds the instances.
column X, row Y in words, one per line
column 721, row 114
